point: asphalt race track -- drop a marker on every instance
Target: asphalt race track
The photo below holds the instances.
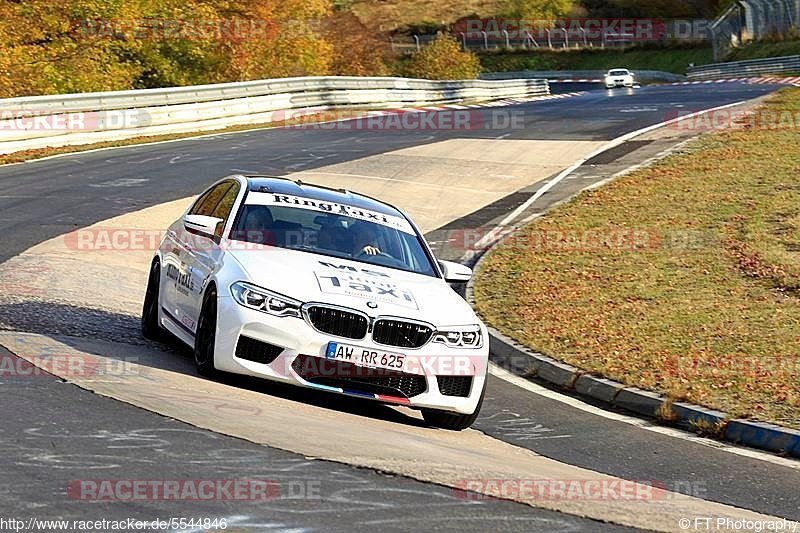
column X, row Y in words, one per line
column 55, row 432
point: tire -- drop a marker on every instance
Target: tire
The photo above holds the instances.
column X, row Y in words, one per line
column 205, row 339
column 453, row 421
column 151, row 327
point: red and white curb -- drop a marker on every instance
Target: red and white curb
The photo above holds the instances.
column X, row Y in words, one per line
column 795, row 80
column 574, row 80
column 762, row 80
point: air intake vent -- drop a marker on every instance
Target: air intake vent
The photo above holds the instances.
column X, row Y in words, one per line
column 454, row 385
column 352, row 377
column 257, row 351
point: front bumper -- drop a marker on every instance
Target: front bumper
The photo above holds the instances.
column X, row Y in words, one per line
column 297, row 339
column 610, row 84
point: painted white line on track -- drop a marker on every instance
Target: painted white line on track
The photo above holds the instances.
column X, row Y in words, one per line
column 493, row 235
column 257, row 128
column 612, row 144
column 638, row 422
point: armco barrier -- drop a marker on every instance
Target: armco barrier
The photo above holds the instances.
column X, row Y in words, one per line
column 643, row 76
column 72, row 119
column 742, row 69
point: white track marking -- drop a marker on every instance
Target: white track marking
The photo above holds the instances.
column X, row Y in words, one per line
column 257, row 128
column 612, row 144
column 638, row 422
column 492, row 235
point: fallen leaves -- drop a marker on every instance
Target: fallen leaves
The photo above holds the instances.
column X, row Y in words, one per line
column 713, row 322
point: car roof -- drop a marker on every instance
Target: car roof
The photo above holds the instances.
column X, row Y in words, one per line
column 278, row 185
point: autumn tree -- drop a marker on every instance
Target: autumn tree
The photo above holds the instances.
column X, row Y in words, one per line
column 540, row 10
column 294, row 48
column 357, row 50
column 66, row 46
column 443, row 59
column 42, row 49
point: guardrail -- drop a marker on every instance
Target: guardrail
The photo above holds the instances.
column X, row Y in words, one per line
column 60, row 120
column 643, row 76
column 742, row 69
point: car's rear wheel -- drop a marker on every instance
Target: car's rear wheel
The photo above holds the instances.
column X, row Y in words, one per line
column 151, row 327
column 453, row 421
column 206, row 336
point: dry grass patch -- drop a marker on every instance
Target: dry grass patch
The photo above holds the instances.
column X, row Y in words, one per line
column 681, row 278
column 390, row 15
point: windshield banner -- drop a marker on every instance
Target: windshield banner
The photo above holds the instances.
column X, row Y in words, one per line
column 285, row 200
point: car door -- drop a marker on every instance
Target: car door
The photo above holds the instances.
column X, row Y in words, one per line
column 179, row 262
column 205, row 256
column 173, row 263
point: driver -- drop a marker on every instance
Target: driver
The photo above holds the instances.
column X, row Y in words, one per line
column 364, row 239
column 257, row 225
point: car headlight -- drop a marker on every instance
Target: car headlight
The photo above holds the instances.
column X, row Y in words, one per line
column 263, row 300
column 460, row 337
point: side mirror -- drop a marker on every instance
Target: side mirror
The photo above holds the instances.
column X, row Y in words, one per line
column 201, row 224
column 455, row 272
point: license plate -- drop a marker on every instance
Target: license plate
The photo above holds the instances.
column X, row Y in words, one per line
column 367, row 357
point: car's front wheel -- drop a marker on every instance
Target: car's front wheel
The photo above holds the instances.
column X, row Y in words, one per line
column 452, row 421
column 151, row 327
column 206, row 336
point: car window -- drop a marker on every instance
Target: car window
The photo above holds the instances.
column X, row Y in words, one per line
column 208, row 202
column 225, row 205
column 391, row 242
column 224, row 208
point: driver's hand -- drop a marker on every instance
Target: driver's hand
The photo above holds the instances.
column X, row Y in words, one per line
column 370, row 250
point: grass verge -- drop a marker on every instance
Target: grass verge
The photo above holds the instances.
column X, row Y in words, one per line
column 683, row 277
column 666, row 59
column 762, row 49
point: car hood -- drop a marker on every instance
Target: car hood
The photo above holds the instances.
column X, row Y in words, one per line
column 375, row 290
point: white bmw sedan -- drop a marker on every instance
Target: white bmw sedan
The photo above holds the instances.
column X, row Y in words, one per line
column 618, row 77
column 320, row 288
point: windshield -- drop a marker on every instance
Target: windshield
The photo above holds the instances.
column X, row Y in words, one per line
column 618, row 73
column 331, row 229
